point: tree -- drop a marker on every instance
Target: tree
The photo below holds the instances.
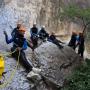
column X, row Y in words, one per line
column 73, row 12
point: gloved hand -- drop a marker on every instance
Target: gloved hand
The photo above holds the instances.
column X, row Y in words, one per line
column 5, row 33
column 19, row 49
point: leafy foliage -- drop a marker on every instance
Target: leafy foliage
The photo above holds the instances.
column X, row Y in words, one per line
column 76, row 14
column 80, row 80
column 73, row 12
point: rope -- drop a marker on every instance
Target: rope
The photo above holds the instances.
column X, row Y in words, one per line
column 9, row 53
column 12, row 74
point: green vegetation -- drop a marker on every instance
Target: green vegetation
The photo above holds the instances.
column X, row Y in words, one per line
column 80, row 80
column 73, row 13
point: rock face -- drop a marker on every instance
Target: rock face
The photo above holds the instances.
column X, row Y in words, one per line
column 42, row 11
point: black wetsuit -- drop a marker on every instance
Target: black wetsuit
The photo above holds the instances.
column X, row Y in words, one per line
column 81, row 46
column 72, row 42
column 21, row 42
column 43, row 34
column 53, row 39
column 34, row 36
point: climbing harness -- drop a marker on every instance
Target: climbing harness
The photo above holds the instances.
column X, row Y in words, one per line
column 7, row 82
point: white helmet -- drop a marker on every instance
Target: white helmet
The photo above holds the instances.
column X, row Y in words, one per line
column 43, row 27
column 34, row 24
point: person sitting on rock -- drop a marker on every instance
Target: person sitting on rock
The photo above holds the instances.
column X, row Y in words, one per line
column 19, row 45
column 14, row 33
column 43, row 34
column 81, row 44
column 52, row 38
column 34, row 36
column 73, row 40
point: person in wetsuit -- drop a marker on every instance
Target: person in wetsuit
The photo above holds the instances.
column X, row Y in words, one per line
column 52, row 38
column 43, row 34
column 34, row 36
column 81, row 44
column 72, row 42
column 19, row 45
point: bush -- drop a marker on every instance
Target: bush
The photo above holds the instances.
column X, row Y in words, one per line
column 80, row 79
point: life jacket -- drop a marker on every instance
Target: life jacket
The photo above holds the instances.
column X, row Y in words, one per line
column 15, row 32
column 42, row 32
column 73, row 40
column 34, row 30
column 19, row 41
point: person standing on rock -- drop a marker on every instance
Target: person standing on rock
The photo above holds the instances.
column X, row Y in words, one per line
column 19, row 45
column 43, row 34
column 73, row 40
column 52, row 38
column 81, row 44
column 34, row 35
column 14, row 33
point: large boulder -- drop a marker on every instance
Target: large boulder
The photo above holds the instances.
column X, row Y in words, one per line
column 56, row 64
